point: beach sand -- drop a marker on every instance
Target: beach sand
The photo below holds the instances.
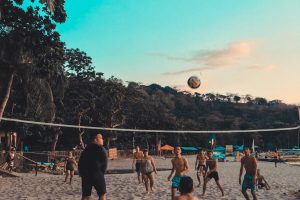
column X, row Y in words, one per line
column 284, row 181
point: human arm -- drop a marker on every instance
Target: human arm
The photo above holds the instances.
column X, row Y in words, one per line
column 103, row 157
column 267, row 184
column 133, row 161
column 254, row 172
column 75, row 162
column 172, row 171
column 241, row 172
column 186, row 166
column 153, row 165
column 196, row 163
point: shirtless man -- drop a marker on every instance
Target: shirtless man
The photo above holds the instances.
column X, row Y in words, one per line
column 212, row 173
column 200, row 166
column 180, row 166
column 137, row 160
column 276, row 157
column 249, row 163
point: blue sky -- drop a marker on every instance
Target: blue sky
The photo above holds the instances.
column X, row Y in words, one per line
column 243, row 47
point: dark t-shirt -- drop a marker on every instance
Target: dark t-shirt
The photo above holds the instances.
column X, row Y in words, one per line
column 93, row 161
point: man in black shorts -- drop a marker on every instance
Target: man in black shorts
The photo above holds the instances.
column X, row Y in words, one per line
column 211, row 164
column 92, row 166
column 137, row 159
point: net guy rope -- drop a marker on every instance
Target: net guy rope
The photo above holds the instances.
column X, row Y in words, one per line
column 146, row 130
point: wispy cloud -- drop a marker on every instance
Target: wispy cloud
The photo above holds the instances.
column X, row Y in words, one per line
column 227, row 56
column 266, row 68
column 213, row 59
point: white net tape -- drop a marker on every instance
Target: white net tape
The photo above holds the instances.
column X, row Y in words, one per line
column 147, row 130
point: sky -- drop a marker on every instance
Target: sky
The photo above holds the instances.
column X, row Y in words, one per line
column 241, row 47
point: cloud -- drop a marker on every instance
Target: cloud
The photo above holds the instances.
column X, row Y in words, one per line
column 227, row 56
column 188, row 70
column 213, row 59
column 266, row 68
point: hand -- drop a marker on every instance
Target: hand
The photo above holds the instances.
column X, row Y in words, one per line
column 240, row 180
column 181, row 174
column 155, row 172
column 254, row 180
column 169, row 178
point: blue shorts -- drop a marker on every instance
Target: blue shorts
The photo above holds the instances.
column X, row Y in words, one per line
column 248, row 183
column 176, row 181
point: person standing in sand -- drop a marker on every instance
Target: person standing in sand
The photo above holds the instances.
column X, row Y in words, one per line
column 249, row 163
column 200, row 166
column 147, row 169
column 212, row 173
column 70, row 165
column 137, row 160
column 91, row 166
column 180, row 166
column 276, row 157
column 261, row 181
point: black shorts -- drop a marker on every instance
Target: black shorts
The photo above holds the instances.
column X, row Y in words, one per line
column 214, row 175
column 138, row 167
column 70, row 168
column 203, row 167
column 98, row 182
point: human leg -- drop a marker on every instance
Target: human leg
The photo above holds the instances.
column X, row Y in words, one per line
column 71, row 175
column 67, row 175
column 151, row 178
column 204, row 185
column 220, row 187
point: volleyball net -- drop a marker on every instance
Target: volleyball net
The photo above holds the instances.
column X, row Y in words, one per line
column 147, row 130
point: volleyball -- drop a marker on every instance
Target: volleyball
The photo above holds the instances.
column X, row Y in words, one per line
column 194, row 82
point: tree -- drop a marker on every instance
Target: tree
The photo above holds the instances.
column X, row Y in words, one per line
column 29, row 44
column 236, row 98
column 80, row 96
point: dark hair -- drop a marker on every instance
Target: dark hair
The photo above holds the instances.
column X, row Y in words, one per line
column 145, row 150
column 93, row 135
column 246, row 148
column 186, row 185
column 209, row 151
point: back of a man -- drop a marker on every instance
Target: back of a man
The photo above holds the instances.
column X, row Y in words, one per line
column 92, row 166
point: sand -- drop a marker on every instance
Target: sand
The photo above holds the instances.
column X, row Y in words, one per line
column 284, row 181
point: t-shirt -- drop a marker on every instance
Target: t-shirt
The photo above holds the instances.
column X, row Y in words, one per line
column 93, row 161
